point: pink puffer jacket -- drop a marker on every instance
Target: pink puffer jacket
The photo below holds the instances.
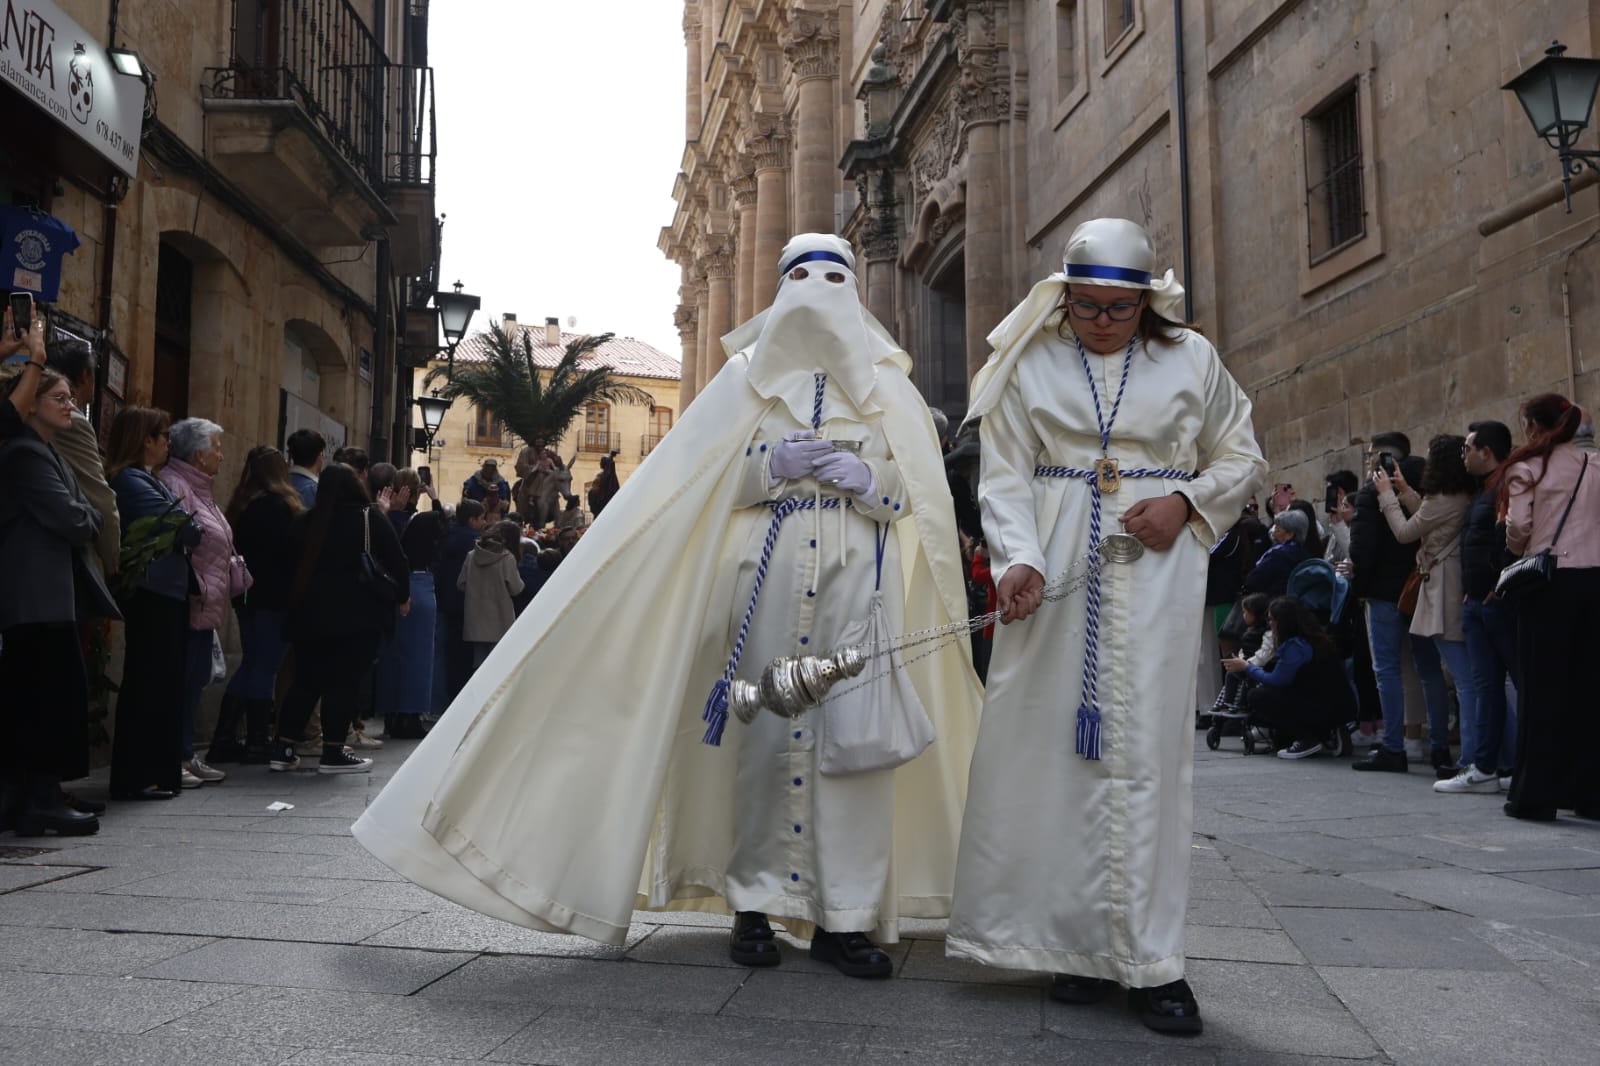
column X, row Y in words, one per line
column 213, row 558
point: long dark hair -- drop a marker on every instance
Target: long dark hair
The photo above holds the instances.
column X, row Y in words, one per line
column 1296, row 620
column 1313, row 544
column 129, row 430
column 1556, row 420
column 338, row 487
column 1445, row 473
column 265, row 471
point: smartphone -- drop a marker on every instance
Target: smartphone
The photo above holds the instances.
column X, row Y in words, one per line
column 21, row 313
column 1386, row 461
column 1331, row 504
column 425, row 475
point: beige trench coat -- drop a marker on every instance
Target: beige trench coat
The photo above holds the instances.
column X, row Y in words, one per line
column 1436, row 521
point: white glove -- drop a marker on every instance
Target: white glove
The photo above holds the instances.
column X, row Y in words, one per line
column 847, row 472
column 797, row 455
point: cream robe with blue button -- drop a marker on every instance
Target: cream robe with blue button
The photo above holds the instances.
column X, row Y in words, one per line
column 568, row 784
column 1070, row 865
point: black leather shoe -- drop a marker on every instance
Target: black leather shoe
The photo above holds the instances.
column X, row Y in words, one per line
column 1080, row 991
column 1167, row 1008
column 852, row 954
column 149, row 792
column 1383, row 760
column 752, row 942
column 83, row 806
column 1530, row 814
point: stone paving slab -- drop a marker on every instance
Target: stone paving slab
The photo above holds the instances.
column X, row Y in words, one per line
column 103, row 1004
column 819, row 997
column 455, row 928
column 1327, row 890
column 585, row 982
column 1480, row 895
column 358, row 1022
column 15, row 877
column 86, row 951
column 264, row 921
column 66, row 1047
column 1412, row 939
column 223, row 888
column 398, row 971
column 1447, row 1017
column 1573, row 882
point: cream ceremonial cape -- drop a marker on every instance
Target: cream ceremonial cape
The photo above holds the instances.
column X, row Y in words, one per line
column 1069, row 865
column 568, row 785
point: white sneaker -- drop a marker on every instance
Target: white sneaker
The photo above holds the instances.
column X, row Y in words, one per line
column 1301, row 749
column 1469, row 780
column 359, row 741
column 1359, row 739
column 207, row 774
column 1505, row 783
column 1415, row 752
column 188, row 780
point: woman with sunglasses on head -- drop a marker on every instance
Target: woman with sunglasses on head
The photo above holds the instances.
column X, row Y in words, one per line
column 46, row 520
column 260, row 512
column 1103, row 414
column 155, row 553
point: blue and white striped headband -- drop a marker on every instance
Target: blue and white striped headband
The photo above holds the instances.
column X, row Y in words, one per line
column 1092, row 272
column 813, row 257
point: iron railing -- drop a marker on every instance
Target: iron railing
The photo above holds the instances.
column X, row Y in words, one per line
column 648, row 442
column 321, row 55
column 593, row 440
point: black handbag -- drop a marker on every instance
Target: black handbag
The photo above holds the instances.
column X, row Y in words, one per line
column 1536, row 571
column 370, row 573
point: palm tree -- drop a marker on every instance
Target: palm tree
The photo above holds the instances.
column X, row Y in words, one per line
column 537, row 405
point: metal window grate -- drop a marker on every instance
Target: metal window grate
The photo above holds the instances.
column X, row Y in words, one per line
column 1336, row 211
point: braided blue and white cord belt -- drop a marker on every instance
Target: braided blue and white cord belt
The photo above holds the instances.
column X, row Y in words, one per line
column 1088, row 735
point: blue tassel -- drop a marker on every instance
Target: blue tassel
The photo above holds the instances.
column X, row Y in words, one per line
column 1088, row 738
column 716, row 714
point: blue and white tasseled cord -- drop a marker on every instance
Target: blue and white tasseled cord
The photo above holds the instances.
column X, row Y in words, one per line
column 716, row 710
column 1089, row 713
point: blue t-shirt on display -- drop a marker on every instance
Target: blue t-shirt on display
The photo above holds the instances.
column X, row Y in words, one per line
column 31, row 247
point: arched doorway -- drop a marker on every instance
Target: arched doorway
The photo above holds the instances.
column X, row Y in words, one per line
column 942, row 369
column 174, row 325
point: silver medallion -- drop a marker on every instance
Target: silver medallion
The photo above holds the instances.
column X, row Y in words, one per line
column 1121, row 548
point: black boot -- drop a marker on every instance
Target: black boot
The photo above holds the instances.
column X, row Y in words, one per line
column 852, row 954
column 47, row 810
column 752, row 942
column 225, row 746
column 257, row 732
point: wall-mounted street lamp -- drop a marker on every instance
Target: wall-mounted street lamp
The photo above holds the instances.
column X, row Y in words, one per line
column 433, row 409
column 455, row 314
column 1558, row 94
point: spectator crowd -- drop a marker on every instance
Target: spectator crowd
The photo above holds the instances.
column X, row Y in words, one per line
column 356, row 594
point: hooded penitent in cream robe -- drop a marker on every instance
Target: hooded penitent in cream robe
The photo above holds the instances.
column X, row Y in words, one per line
column 1072, row 864
column 561, row 796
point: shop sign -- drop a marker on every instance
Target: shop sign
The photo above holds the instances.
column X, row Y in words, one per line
column 58, row 65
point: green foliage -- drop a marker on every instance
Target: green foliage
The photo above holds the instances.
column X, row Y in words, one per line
column 144, row 540
column 538, row 409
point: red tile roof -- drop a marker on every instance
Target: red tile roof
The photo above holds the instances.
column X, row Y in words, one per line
column 624, row 355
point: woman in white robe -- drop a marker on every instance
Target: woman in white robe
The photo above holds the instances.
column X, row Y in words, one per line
column 1075, row 845
column 561, row 798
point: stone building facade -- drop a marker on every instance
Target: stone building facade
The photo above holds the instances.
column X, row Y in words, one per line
column 1367, row 227
column 267, row 255
column 468, row 435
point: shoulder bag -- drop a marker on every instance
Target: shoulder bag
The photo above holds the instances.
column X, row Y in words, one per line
column 370, row 573
column 1535, row 571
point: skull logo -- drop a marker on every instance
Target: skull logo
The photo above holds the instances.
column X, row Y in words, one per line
column 81, row 84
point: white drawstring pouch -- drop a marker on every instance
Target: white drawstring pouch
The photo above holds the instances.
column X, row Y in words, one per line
column 876, row 721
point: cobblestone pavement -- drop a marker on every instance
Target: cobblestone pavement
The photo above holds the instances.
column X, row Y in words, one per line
column 1334, row 917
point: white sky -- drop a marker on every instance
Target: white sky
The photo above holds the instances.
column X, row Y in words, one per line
column 561, row 129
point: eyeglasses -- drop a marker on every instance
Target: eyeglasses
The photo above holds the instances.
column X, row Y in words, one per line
column 61, row 399
column 1086, row 311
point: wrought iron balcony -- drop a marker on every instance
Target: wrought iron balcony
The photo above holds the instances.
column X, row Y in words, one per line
column 648, row 442
column 591, row 440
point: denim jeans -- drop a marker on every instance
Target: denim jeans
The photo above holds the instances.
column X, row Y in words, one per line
column 1457, row 657
column 261, row 633
column 1388, row 634
column 1491, row 632
column 196, row 676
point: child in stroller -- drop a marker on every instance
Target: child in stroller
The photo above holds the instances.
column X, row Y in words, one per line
column 1257, row 645
column 1304, row 699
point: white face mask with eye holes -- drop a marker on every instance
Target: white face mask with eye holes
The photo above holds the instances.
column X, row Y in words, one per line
column 816, row 325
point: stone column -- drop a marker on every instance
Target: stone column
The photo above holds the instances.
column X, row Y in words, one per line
column 718, row 263
column 693, row 108
column 880, row 241
column 702, row 321
column 983, row 102
column 769, row 148
column 812, row 49
column 744, row 204
column 688, row 337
